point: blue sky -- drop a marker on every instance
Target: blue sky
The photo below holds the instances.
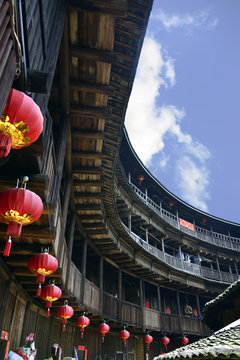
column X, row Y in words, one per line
column 183, row 113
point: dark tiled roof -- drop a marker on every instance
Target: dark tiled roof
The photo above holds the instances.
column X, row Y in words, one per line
column 225, row 344
column 223, row 296
column 212, row 312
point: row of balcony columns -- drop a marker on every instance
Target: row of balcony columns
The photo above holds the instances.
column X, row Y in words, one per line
column 180, row 250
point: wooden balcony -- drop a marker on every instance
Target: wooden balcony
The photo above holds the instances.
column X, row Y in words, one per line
column 110, row 306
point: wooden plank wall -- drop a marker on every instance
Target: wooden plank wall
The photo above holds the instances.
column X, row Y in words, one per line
column 7, row 53
column 43, row 24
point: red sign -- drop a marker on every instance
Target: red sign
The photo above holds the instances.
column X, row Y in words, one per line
column 186, row 224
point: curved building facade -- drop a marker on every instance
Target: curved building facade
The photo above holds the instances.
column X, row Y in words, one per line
column 129, row 252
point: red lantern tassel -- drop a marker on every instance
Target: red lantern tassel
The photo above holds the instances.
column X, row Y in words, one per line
column 124, row 343
column 39, row 290
column 81, row 334
column 7, row 247
column 14, row 229
column 40, row 278
column 102, row 339
column 64, row 321
column 5, row 145
column 48, row 305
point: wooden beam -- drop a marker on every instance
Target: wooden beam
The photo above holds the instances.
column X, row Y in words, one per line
column 77, row 155
column 107, row 7
column 93, row 226
column 89, row 195
column 33, row 231
column 64, row 73
column 91, row 111
column 24, row 271
column 90, row 217
column 80, row 134
column 88, row 207
column 93, row 54
column 87, row 170
column 96, row 232
column 90, row 87
column 87, row 182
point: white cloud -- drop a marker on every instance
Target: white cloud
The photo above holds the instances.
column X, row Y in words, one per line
column 193, row 181
column 149, row 125
column 199, row 19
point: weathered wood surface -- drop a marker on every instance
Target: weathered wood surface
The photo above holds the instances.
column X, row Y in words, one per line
column 7, row 54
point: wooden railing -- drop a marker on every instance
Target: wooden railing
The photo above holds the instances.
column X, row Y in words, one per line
column 110, row 305
column 201, row 233
column 131, row 313
column 170, row 322
column 175, row 262
column 151, row 319
column 91, row 296
column 190, row 325
column 73, row 285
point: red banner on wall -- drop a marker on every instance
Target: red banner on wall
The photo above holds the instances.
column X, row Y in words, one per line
column 186, row 224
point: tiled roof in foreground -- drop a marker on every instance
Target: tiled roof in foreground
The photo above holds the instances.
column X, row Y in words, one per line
column 230, row 290
column 213, row 310
column 225, row 344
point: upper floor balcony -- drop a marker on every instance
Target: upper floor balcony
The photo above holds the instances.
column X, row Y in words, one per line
column 209, row 236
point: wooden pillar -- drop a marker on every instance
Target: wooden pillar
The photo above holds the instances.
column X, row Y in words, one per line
column 25, row 322
column 159, row 299
column 120, row 294
column 142, row 298
column 179, row 311
column 146, row 233
column 130, row 222
column 4, row 303
column 180, row 254
column 101, row 282
column 163, row 247
column 65, row 202
column 236, row 268
column 83, row 268
column 70, row 239
column 60, row 153
column 146, row 195
column 178, row 225
column 230, row 240
column 219, row 271
column 160, row 205
column 199, row 313
column 230, row 271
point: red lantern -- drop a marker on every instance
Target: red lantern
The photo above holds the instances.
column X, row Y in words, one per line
column 171, row 203
column 21, row 122
column 124, row 335
column 82, row 322
column 165, row 341
column 18, row 207
column 65, row 312
column 50, row 293
column 42, row 265
column 103, row 329
column 148, row 339
column 184, row 340
column 140, row 179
